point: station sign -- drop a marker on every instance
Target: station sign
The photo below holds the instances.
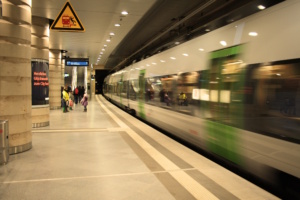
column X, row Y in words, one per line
column 67, row 20
column 77, row 62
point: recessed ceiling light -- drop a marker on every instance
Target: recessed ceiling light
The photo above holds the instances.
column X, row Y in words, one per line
column 162, row 61
column 173, row 58
column 177, row 43
column 105, row 45
column 201, row 49
column 108, row 40
column 223, row 43
column 103, row 49
column 124, row 12
column 111, row 33
column 185, row 54
column 261, row 7
column 253, row 34
column 117, row 25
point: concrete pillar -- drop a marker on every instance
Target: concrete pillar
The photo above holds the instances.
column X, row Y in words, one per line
column 85, row 79
column 63, row 66
column 74, row 78
column 15, row 72
column 40, row 53
column 55, row 83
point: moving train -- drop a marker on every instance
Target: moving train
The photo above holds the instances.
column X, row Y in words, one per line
column 233, row 92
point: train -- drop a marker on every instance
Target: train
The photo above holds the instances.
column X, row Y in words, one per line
column 233, row 92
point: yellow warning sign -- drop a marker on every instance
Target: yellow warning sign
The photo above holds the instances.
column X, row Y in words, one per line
column 67, row 20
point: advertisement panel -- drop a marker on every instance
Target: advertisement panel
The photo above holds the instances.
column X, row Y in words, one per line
column 40, row 82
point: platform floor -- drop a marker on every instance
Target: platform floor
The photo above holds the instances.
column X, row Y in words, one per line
column 106, row 154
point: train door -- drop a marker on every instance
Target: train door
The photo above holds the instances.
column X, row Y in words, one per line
column 225, row 104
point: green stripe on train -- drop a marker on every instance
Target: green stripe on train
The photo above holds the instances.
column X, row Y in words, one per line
column 223, row 140
column 223, row 137
column 227, row 52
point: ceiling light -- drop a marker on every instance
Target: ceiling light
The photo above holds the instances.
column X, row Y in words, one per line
column 154, row 63
column 185, row 54
column 111, row 33
column 177, row 43
column 253, row 34
column 207, row 29
column 223, row 43
column 108, row 40
column 261, row 7
column 162, row 61
column 105, row 45
column 124, row 12
column 173, row 58
column 117, row 25
column 201, row 49
column 101, row 52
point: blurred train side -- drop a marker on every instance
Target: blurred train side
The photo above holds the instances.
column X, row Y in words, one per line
column 243, row 98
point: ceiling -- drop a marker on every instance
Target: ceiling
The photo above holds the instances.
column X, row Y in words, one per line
column 98, row 18
column 150, row 27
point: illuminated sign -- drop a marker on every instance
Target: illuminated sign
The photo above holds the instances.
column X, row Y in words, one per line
column 79, row 62
column 40, row 82
column 40, row 79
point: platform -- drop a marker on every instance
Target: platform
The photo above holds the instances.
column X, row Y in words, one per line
column 106, row 154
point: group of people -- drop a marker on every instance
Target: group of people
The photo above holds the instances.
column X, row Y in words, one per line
column 181, row 99
column 78, row 95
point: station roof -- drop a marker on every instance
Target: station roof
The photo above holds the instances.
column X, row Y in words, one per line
column 149, row 27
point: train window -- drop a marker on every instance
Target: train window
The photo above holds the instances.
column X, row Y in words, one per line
column 133, row 90
column 149, row 92
column 275, row 107
column 135, row 85
column 166, row 94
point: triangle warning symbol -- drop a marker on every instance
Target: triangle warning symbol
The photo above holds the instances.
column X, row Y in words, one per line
column 67, row 20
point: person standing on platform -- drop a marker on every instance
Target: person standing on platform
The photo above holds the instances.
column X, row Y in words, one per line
column 76, row 94
column 81, row 92
column 65, row 99
column 71, row 99
column 84, row 102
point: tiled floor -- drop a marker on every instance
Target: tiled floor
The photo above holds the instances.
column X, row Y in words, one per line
column 106, row 154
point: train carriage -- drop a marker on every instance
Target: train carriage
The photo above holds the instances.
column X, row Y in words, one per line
column 241, row 85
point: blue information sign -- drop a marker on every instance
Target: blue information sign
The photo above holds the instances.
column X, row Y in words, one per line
column 77, row 63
